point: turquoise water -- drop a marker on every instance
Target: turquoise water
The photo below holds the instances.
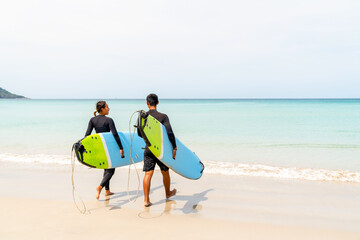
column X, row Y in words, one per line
column 316, row 134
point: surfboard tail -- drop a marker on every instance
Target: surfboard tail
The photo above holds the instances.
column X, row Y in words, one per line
column 203, row 167
column 141, row 122
column 79, row 150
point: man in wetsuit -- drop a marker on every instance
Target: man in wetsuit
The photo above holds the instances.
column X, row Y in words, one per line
column 150, row 160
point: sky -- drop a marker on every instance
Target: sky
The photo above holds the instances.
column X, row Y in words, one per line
column 180, row 49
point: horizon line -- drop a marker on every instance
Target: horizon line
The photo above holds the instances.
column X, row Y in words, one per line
column 184, row 98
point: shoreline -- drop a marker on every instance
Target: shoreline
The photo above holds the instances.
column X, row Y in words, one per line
column 222, row 205
column 289, row 173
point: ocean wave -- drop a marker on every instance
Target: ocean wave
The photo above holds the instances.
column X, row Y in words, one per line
column 307, row 146
column 214, row 167
column 40, row 159
column 257, row 170
column 36, row 158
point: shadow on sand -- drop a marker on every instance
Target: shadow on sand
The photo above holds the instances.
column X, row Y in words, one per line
column 192, row 204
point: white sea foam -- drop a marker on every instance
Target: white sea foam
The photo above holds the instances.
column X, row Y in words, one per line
column 36, row 158
column 214, row 167
column 238, row 169
column 40, row 159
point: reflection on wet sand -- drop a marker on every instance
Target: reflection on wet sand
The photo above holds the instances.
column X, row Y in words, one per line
column 192, row 205
column 169, row 206
column 150, row 213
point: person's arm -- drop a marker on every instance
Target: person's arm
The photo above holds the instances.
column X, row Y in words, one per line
column 116, row 136
column 171, row 135
column 89, row 129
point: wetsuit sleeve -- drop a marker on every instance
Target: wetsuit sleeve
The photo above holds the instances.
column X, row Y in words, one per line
column 115, row 133
column 90, row 128
column 138, row 129
column 170, row 132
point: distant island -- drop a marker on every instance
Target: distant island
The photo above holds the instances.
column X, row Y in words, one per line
column 6, row 94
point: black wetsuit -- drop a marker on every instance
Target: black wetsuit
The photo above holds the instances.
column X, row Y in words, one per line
column 149, row 159
column 102, row 124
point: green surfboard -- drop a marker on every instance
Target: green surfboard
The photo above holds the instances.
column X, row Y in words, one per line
column 95, row 154
column 186, row 163
column 153, row 131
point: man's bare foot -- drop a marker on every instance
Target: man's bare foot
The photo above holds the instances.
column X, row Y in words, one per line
column 147, row 204
column 172, row 193
column 108, row 193
column 98, row 191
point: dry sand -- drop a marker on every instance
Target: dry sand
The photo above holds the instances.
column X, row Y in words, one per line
column 36, row 203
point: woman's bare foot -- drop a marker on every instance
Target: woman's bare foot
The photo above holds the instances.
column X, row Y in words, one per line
column 108, row 193
column 98, row 191
column 147, row 204
column 171, row 193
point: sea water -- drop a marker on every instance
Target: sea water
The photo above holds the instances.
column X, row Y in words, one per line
column 296, row 138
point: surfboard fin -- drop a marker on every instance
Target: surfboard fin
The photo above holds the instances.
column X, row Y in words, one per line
column 79, row 151
column 140, row 126
column 78, row 148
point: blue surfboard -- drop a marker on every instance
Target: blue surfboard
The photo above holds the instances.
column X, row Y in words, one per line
column 186, row 163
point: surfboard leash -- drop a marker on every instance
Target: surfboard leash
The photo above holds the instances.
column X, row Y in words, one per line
column 84, row 210
column 131, row 161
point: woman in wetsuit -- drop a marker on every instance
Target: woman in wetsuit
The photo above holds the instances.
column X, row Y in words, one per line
column 101, row 123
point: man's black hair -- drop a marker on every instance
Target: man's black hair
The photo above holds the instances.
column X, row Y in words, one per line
column 152, row 99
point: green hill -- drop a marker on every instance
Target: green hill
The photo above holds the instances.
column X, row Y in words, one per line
column 6, row 94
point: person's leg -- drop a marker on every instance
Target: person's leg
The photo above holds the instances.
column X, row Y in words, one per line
column 99, row 188
column 149, row 166
column 105, row 182
column 111, row 172
column 146, row 186
column 166, row 182
column 166, row 179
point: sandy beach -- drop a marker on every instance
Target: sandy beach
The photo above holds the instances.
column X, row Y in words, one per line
column 37, row 203
column 265, row 94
